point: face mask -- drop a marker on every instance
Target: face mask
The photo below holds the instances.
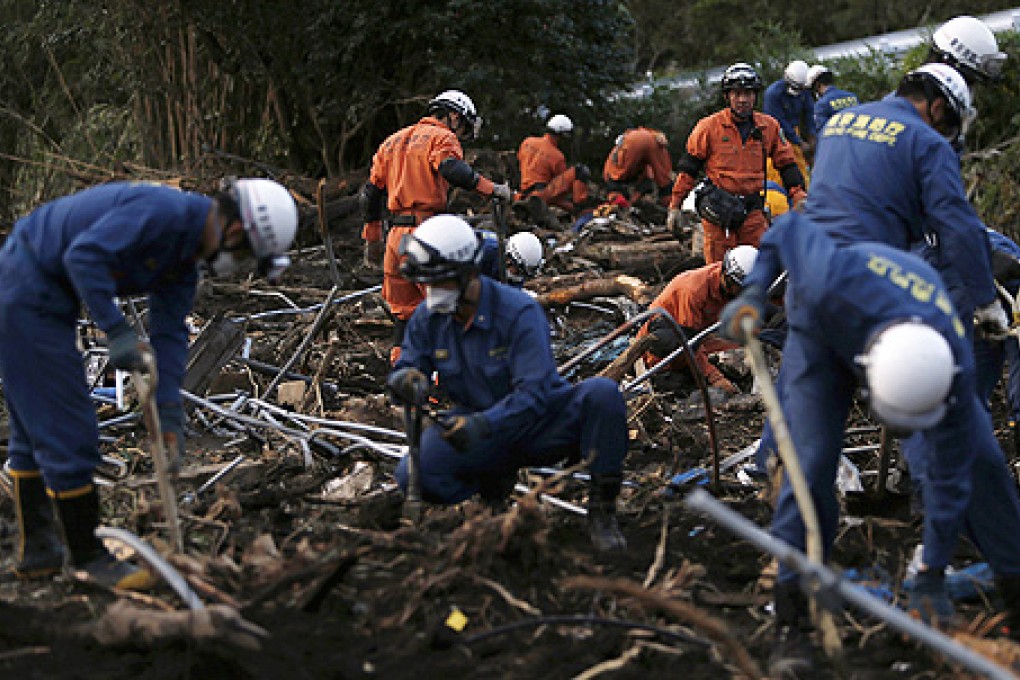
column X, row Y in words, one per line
column 441, row 300
column 223, row 263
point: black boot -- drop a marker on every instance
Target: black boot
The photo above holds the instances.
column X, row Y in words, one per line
column 792, row 654
column 91, row 561
column 1009, row 590
column 39, row 552
column 605, row 530
column 494, row 492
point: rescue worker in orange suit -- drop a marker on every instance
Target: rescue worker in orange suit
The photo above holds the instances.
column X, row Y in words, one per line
column 694, row 299
column 544, row 171
column 412, row 172
column 639, row 164
column 731, row 147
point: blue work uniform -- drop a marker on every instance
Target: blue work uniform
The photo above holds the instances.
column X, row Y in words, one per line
column 833, row 101
column 792, row 111
column 117, row 239
column 837, row 297
column 501, row 364
column 882, row 174
column 990, row 354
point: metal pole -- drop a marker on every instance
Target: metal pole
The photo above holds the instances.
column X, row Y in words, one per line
column 820, row 582
column 317, row 325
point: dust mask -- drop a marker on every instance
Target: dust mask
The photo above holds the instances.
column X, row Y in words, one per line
column 441, row 300
column 223, row 263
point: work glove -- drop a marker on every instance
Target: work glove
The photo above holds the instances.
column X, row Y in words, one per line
column 464, row 432
column 750, row 304
column 991, row 320
column 374, row 253
column 927, row 597
column 171, row 422
column 503, row 192
column 125, row 347
column 674, row 222
column 408, row 386
column 581, row 172
column 1005, row 267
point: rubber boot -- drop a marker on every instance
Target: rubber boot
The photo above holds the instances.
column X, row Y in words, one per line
column 40, row 551
column 90, row 560
column 793, row 653
column 602, row 523
column 1009, row 590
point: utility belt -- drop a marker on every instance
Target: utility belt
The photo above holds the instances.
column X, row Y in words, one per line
column 723, row 208
column 402, row 221
column 537, row 186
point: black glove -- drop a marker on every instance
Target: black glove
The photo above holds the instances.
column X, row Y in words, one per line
column 581, row 172
column 125, row 347
column 464, row 432
column 1005, row 267
column 408, row 386
column 171, row 421
column 750, row 304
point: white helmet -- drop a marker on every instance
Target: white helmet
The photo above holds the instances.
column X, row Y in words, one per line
column 442, row 248
column 814, row 72
column 455, row 100
column 951, row 85
column 269, row 217
column 969, row 45
column 560, row 124
column 796, row 74
column 524, row 250
column 909, row 370
column 738, row 262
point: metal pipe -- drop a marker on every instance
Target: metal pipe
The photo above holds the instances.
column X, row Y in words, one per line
column 822, row 583
column 668, row 359
column 552, row 500
column 308, row 310
column 317, row 324
column 152, row 558
column 325, row 421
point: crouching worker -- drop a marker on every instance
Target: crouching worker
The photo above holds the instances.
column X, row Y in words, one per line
column 694, row 299
column 873, row 316
column 523, row 259
column 113, row 240
column 489, row 344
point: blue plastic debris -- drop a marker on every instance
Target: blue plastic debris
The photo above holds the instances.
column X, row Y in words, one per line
column 694, row 477
column 875, row 580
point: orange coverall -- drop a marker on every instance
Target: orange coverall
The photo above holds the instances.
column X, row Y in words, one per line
column 695, row 298
column 736, row 167
column 642, row 153
column 544, row 173
column 406, row 167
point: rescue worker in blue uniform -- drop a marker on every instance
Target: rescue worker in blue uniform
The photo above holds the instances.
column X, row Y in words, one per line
column 790, row 102
column 829, row 99
column 112, row 240
column 880, row 317
column 524, row 257
column 989, row 354
column 886, row 172
column 489, row 344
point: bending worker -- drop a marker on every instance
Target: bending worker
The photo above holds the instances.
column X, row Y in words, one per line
column 638, row 164
column 489, row 344
column 694, row 299
column 412, row 172
column 731, row 147
column 113, row 240
column 544, row 171
column 880, row 317
column 829, row 98
column 523, row 258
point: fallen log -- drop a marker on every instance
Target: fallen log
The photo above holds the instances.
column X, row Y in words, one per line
column 621, row 284
column 633, row 256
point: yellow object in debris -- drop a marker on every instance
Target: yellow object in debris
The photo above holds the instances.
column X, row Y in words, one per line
column 456, row 620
